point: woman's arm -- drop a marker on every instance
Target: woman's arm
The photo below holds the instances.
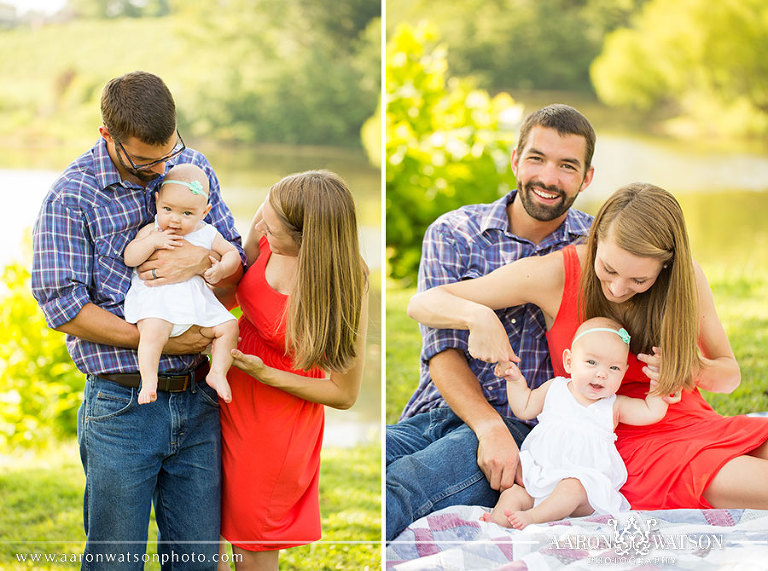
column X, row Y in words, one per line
column 469, row 304
column 338, row 390
column 719, row 371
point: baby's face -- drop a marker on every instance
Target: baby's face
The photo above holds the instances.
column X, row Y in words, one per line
column 179, row 209
column 598, row 363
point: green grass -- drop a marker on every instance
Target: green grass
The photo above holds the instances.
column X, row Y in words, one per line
column 740, row 299
column 42, row 495
column 402, row 356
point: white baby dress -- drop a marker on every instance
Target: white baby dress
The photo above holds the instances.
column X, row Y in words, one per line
column 183, row 304
column 575, row 441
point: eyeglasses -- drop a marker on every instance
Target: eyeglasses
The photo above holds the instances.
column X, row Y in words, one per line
column 177, row 150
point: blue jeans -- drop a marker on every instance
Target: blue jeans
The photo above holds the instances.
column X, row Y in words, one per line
column 167, row 452
column 432, row 464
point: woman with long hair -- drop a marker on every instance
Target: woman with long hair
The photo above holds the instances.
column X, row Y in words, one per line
column 303, row 329
column 636, row 268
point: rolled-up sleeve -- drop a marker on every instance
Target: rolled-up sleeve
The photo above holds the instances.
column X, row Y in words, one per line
column 61, row 263
column 442, row 262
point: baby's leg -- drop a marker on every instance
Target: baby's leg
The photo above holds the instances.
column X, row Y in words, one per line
column 514, row 498
column 224, row 340
column 569, row 498
column 153, row 335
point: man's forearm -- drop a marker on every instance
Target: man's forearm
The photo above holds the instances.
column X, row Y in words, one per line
column 462, row 392
column 98, row 325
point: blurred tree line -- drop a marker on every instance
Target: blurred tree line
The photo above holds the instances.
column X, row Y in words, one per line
column 706, row 61
column 520, row 44
column 287, row 71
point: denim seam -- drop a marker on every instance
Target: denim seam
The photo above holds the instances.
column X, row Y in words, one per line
column 427, row 508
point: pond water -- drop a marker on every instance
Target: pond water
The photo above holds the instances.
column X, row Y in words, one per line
column 724, row 195
column 245, row 173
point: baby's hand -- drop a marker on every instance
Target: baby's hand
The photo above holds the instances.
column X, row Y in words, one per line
column 508, row 371
column 213, row 274
column 166, row 239
column 671, row 398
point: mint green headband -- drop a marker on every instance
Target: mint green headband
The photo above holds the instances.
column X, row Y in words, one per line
column 621, row 333
column 194, row 186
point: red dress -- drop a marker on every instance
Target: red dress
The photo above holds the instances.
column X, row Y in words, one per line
column 670, row 463
column 271, row 440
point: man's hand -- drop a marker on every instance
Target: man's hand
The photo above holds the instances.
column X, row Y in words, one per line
column 174, row 266
column 189, row 342
column 497, row 457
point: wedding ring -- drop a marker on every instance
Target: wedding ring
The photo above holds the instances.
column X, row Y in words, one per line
column 154, row 275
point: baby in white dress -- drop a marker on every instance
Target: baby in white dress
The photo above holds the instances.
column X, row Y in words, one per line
column 570, row 465
column 169, row 310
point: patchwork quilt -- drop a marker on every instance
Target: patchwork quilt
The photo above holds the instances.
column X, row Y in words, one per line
column 455, row 539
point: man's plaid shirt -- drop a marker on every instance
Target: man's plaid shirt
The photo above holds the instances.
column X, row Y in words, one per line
column 468, row 243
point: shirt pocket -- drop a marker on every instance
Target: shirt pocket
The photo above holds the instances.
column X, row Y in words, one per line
column 111, row 276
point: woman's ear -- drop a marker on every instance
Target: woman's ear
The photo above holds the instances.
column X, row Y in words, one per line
column 567, row 360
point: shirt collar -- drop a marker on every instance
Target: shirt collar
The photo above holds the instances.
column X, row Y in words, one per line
column 496, row 218
column 104, row 169
column 576, row 223
column 107, row 174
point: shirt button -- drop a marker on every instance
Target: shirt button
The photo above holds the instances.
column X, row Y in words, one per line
column 514, row 321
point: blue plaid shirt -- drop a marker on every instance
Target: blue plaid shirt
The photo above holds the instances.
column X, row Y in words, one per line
column 84, row 224
column 468, row 243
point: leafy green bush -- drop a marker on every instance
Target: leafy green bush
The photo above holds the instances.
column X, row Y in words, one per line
column 41, row 387
column 448, row 144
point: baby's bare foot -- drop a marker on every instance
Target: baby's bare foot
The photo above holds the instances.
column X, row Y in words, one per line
column 219, row 382
column 147, row 395
column 519, row 520
column 495, row 516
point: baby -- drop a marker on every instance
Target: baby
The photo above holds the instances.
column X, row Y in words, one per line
column 569, row 461
column 169, row 310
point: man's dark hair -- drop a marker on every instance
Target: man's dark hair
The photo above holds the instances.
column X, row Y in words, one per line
column 139, row 104
column 566, row 121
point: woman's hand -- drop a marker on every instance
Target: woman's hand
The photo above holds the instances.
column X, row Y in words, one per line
column 488, row 340
column 250, row 364
column 652, row 364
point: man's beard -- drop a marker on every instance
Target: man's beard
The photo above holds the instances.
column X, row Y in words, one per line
column 542, row 212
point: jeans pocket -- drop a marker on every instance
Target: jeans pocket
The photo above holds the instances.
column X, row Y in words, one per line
column 208, row 395
column 107, row 404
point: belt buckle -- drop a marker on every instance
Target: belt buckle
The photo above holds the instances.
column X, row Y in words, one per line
column 164, row 383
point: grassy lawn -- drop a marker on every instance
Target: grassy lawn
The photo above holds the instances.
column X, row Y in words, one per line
column 740, row 299
column 41, row 510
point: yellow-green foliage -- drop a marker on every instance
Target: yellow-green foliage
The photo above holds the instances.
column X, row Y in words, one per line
column 707, row 58
column 448, row 144
column 41, row 388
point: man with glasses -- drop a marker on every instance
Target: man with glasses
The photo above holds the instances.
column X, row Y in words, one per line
column 169, row 451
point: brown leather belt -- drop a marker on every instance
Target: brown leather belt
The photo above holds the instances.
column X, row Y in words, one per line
column 172, row 383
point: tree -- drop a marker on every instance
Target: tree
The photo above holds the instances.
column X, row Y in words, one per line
column 284, row 75
column 705, row 58
column 520, row 44
column 103, row 9
column 447, row 144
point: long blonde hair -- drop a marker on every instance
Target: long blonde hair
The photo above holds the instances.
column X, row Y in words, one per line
column 323, row 314
column 647, row 221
